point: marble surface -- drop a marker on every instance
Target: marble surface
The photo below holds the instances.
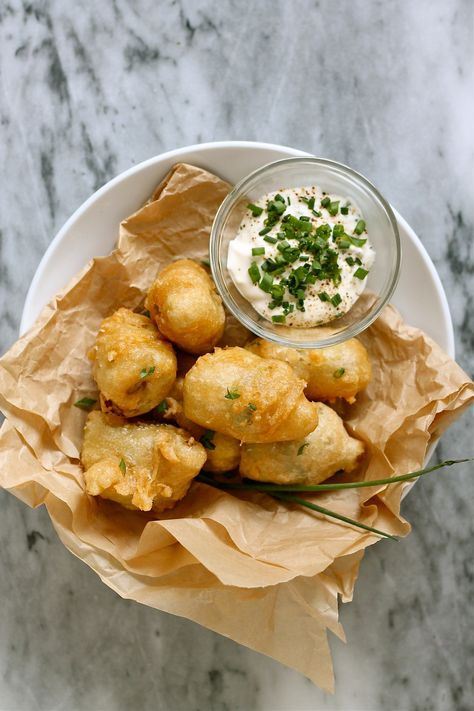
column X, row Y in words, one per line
column 87, row 90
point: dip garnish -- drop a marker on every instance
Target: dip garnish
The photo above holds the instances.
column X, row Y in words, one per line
column 299, row 266
column 123, row 466
column 232, row 394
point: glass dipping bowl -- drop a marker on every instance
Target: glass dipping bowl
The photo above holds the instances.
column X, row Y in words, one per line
column 330, row 177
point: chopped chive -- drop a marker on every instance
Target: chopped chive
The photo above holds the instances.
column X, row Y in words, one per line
column 270, row 240
column 206, row 439
column 281, row 318
column 251, row 407
column 357, row 242
column 266, row 282
column 316, row 213
column 254, row 273
column 343, row 244
column 339, row 373
column 308, row 201
column 232, row 394
column 257, row 251
column 345, row 210
column 304, row 258
column 338, row 230
column 350, row 261
column 265, row 231
column 160, row 408
column 305, row 218
column 335, row 300
column 123, row 466
column 325, row 202
column 277, row 291
column 302, row 448
column 333, row 208
column 85, row 403
column 323, row 296
column 277, row 205
column 205, row 263
column 360, row 273
column 360, row 227
column 283, row 245
column 255, row 209
column 145, row 372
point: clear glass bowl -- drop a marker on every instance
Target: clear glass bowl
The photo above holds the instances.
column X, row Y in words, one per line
column 331, row 177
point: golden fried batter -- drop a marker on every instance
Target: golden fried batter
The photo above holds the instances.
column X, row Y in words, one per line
column 223, row 452
column 186, row 307
column 336, row 371
column 226, row 453
column 141, row 466
column 310, row 460
column 247, row 397
column 134, row 367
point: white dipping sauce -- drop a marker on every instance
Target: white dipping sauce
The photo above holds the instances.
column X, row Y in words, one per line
column 331, row 267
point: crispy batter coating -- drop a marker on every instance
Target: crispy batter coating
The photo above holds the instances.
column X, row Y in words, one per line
column 247, row 397
column 186, row 307
column 133, row 366
column 336, row 371
column 223, row 452
column 226, row 453
column 141, row 466
column 310, row 460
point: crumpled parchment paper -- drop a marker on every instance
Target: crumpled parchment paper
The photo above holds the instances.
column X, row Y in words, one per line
column 255, row 570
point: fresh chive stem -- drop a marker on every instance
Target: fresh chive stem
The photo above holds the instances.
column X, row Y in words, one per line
column 332, row 514
column 283, row 491
column 331, row 487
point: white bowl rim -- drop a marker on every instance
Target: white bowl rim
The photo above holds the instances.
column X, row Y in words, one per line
column 26, row 320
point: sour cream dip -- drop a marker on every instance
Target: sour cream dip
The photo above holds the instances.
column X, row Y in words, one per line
column 301, row 256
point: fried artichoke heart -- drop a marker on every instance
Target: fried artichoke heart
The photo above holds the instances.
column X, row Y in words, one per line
column 139, row 465
column 252, row 399
column 186, row 307
column 311, row 460
column 134, row 367
column 337, row 371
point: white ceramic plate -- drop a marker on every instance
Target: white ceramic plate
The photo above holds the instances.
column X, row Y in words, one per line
column 93, row 229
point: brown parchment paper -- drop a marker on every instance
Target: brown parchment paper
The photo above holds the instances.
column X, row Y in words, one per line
column 254, row 570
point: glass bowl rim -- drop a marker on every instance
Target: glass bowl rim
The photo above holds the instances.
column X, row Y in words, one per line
column 252, row 324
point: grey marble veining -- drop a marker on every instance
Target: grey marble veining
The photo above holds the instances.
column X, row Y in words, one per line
column 88, row 89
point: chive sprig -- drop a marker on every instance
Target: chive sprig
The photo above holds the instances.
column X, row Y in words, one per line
column 286, row 492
